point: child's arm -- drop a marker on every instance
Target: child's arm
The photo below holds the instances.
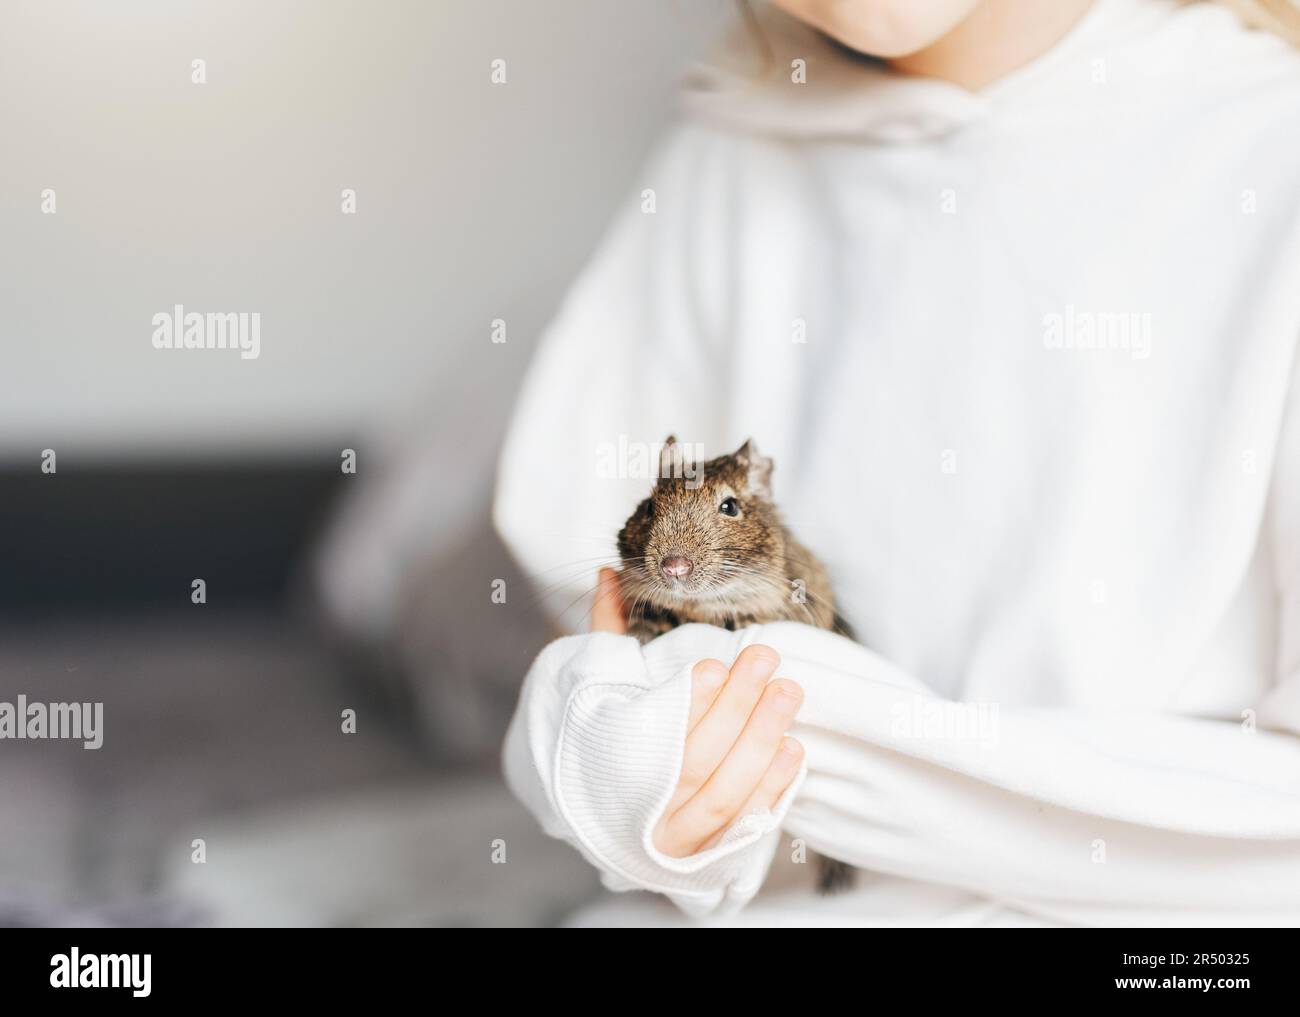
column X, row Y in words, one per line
column 1075, row 815
column 1081, row 817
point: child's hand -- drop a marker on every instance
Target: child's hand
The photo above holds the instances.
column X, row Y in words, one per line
column 738, row 758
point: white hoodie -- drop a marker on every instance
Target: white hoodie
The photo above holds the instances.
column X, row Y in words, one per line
column 1025, row 361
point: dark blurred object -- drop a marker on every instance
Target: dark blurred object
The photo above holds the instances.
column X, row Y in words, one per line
column 124, row 535
column 222, row 721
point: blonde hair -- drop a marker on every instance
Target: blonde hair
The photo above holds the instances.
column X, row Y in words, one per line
column 1279, row 16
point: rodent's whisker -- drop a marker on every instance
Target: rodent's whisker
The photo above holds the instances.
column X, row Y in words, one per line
column 777, row 581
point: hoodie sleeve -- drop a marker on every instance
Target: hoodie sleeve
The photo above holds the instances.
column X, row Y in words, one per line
column 1077, row 817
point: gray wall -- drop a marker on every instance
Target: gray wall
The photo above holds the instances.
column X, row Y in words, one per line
column 475, row 201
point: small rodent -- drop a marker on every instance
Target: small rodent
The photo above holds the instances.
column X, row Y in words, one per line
column 709, row 545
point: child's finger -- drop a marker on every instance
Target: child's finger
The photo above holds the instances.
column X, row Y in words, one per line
column 707, row 679
column 607, row 610
column 782, row 771
column 715, row 734
column 712, row 738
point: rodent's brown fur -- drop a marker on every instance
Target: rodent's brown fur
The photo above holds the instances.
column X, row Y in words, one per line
column 747, row 569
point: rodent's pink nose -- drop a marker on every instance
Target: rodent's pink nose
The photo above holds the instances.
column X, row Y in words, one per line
column 676, row 567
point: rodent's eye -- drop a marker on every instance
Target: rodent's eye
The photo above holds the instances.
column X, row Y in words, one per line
column 729, row 507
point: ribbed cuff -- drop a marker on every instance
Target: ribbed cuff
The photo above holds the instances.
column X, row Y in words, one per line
column 617, row 763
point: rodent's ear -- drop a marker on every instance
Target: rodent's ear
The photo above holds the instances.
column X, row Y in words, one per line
column 758, row 467
column 672, row 462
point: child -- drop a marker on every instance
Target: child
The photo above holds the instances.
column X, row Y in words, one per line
column 1010, row 293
